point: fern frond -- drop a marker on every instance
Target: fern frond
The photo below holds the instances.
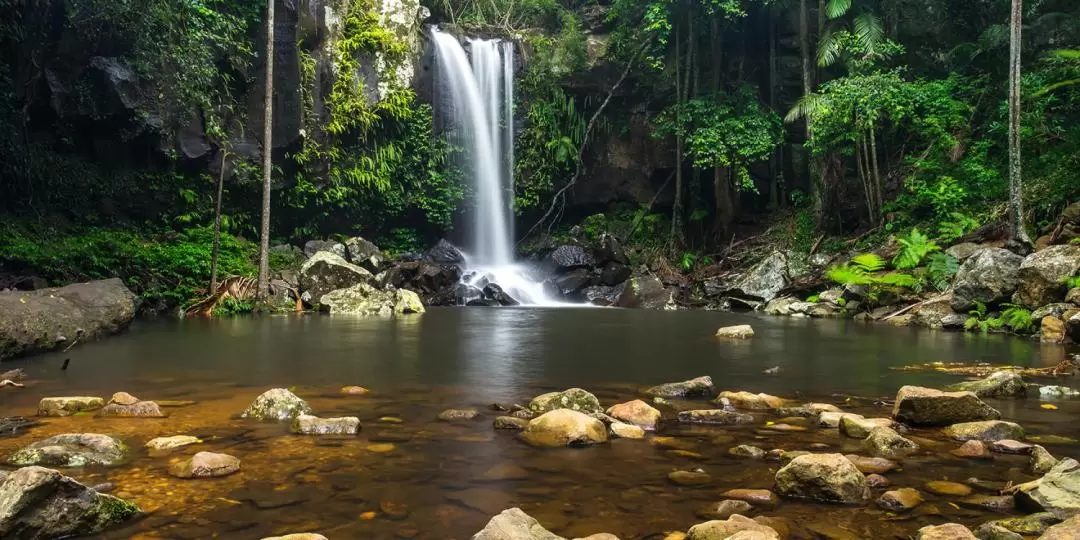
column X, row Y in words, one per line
column 869, row 31
column 869, row 262
column 837, row 8
column 848, row 275
column 897, row 279
column 829, row 49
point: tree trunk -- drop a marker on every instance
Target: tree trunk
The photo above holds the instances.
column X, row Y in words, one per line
column 817, row 189
column 268, row 148
column 676, row 236
column 774, row 180
column 877, row 174
column 1016, row 208
column 217, row 224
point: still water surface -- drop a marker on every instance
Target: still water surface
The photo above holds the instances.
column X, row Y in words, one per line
column 443, row 481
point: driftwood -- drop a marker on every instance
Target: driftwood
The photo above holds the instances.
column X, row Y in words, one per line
column 913, row 306
column 1070, row 367
column 239, row 288
column 9, row 382
column 11, row 425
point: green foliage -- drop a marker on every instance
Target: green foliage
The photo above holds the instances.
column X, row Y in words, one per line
column 230, row 306
column 868, row 269
column 913, row 249
column 399, row 241
column 981, row 320
column 1018, row 318
column 813, row 299
column 1072, row 282
column 956, row 227
column 547, row 149
column 165, row 268
column 941, row 269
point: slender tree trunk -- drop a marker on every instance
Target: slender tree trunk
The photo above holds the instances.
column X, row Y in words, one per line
column 676, row 235
column 268, row 150
column 1016, row 200
column 217, row 223
column 774, row 180
column 877, row 173
column 816, row 177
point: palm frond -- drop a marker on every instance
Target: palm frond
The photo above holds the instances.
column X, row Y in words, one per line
column 869, row 31
column 994, row 36
column 808, row 106
column 1055, row 86
column 829, row 49
column 835, row 9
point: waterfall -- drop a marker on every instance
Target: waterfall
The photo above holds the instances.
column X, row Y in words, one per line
column 480, row 111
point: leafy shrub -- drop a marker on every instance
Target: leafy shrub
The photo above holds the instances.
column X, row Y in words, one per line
column 980, row 319
column 1072, row 282
column 913, row 249
column 941, row 268
column 814, row 299
column 957, row 226
column 1018, row 318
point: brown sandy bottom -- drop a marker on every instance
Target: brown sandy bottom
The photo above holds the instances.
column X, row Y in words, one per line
column 422, row 478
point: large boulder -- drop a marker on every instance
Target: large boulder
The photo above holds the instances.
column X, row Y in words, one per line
column 564, row 427
column 603, row 295
column 445, row 253
column 325, row 272
column 764, row 281
column 569, row 257
column 434, row 282
column 1043, row 273
column 646, row 291
column 1057, row 492
column 1066, row 530
column 276, row 405
column 989, row 276
column 39, row 503
column 824, row 478
column 125, row 405
column 365, row 300
column 999, row 384
column 364, row 254
column 311, row 247
column 574, row 399
column 513, row 524
column 693, row 388
column 38, row 321
column 72, row 450
column 927, row 406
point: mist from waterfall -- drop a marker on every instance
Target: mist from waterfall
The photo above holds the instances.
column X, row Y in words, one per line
column 481, row 116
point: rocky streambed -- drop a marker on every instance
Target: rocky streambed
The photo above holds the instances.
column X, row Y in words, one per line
column 686, row 459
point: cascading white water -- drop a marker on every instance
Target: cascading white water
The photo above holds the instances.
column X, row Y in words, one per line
column 481, row 110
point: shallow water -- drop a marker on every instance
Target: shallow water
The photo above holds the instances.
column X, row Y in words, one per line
column 452, row 478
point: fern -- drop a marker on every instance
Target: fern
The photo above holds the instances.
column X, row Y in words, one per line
column 941, row 268
column 848, row 275
column 1072, row 282
column 814, row 299
column 898, row 279
column 869, row 262
column 913, row 249
column 1018, row 318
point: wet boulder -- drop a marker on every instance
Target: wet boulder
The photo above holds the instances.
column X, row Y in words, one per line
column 948, row 531
column 445, row 253
column 572, row 282
column 311, row 247
column 1057, row 492
column 609, row 250
column 276, row 405
column 72, row 450
column 367, row 301
column 603, row 295
column 900, row 500
column 564, row 427
column 887, row 443
column 364, row 254
column 986, row 431
column 568, row 257
column 1066, row 530
column 646, row 291
column 39, row 503
column 742, row 331
column 125, row 405
column 492, row 291
column 574, row 399
column 163, row 445
column 989, row 276
column 736, row 526
column 872, row 465
column 764, row 281
column 68, row 405
column 614, row 273
column 927, row 406
column 636, row 412
column 828, row 478
column 1000, row 384
column 1043, row 273
column 1041, row 461
column 513, row 524
column 435, row 283
column 306, row 424
column 750, row 401
column 205, row 465
column 38, row 321
column 325, row 272
column 700, row 387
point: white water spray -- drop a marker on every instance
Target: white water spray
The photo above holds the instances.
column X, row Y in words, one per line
column 481, row 109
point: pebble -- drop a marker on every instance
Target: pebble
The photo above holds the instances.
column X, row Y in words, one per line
column 872, row 465
column 380, row 448
column 877, row 481
column 973, row 449
column 1009, row 446
column 756, row 497
column 900, row 500
column 690, row 478
column 944, row 487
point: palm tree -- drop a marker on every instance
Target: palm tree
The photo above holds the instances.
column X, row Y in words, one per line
column 866, row 27
column 268, row 146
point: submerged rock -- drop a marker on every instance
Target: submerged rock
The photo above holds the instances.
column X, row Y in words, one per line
column 513, row 524
column 872, row 465
column 574, row 399
column 900, row 500
column 690, row 478
column 636, row 412
column 950, row 489
column 747, row 451
column 824, row 478
column 742, row 331
column 886, row 442
column 205, row 465
column 986, row 431
column 749, row 401
column 72, row 450
column 306, row 424
column 68, row 405
column 756, row 497
column 125, row 405
column 693, row 388
column 714, row 416
column 731, row 528
column 163, row 445
column 458, row 415
column 276, row 404
column 1000, row 384
column 509, row 422
column 1057, row 492
column 39, row 503
column 723, row 509
column 564, row 427
column 927, row 406
column 948, row 531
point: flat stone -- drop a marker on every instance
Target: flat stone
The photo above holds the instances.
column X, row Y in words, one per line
column 1000, row 384
column 636, row 412
column 1029, row 525
column 699, row 387
column 1009, row 446
column 973, row 449
column 689, row 478
column 993, row 531
column 742, row 331
column 747, row 451
column 948, row 531
column 626, row 431
column 714, row 416
column 126, row 408
column 458, row 415
column 731, row 528
column 354, row 390
column 163, row 445
column 951, row 489
column 68, row 405
column 1066, row 530
column 858, row 427
column 72, row 450
column 205, row 465
column 306, row 424
column 756, row 497
column 750, row 401
column 831, row 419
column 987, row 431
column 927, row 406
column 1003, row 504
column 784, row 428
column 509, row 422
column 900, row 500
column 872, row 465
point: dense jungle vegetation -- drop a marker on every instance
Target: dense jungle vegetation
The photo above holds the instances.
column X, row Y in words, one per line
column 818, row 120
